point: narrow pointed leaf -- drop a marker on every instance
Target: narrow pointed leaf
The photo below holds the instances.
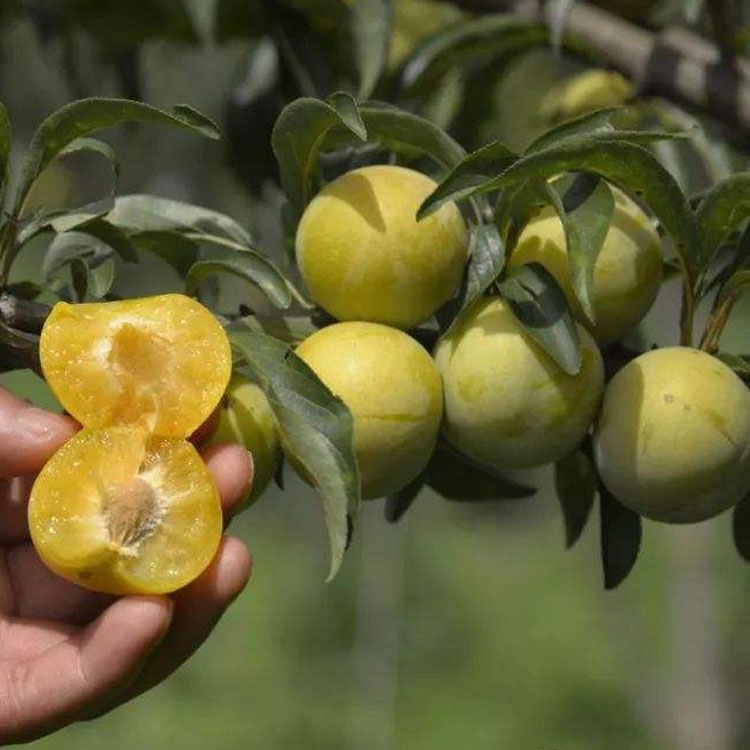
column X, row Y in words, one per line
column 473, row 171
column 585, row 206
column 724, row 209
column 172, row 247
column 486, row 261
column 80, row 118
column 316, row 428
column 149, row 213
column 101, row 276
column 575, row 483
column 397, row 505
column 620, row 539
column 540, row 305
column 296, row 139
column 250, row 267
column 346, row 106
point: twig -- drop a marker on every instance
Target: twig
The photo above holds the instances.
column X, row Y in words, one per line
column 21, row 314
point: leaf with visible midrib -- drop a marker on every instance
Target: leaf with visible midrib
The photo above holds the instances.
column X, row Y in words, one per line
column 86, row 116
column 724, row 209
column 297, row 136
column 316, row 428
column 541, row 307
column 585, row 205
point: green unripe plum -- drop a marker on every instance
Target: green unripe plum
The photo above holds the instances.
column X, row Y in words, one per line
column 507, row 403
column 246, row 418
column 392, row 388
column 364, row 256
column 627, row 272
column 673, row 438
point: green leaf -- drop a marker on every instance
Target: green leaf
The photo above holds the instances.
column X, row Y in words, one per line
column 5, row 142
column 473, row 171
column 317, row 431
column 172, row 247
column 296, row 139
column 69, row 246
column 587, row 124
column 516, row 206
column 585, row 205
column 397, row 505
column 540, row 305
column 740, row 363
column 149, row 213
column 400, row 130
column 371, row 30
column 345, row 105
column 723, row 210
column 248, row 266
column 86, row 116
column 741, row 527
column 79, row 276
column 628, row 165
column 738, row 283
column 575, row 483
column 292, row 329
column 469, row 43
column 456, row 477
column 620, row 538
column 101, row 276
column 486, row 261
column 599, row 126
column 112, row 236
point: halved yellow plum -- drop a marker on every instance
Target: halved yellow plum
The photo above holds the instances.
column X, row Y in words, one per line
column 160, row 362
column 120, row 511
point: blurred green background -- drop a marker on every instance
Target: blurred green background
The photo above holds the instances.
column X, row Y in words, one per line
column 466, row 625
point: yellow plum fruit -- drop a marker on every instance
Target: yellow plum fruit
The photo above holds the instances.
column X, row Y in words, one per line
column 507, row 403
column 364, row 256
column 161, row 362
column 120, row 511
column 246, row 418
column 673, row 439
column 392, row 388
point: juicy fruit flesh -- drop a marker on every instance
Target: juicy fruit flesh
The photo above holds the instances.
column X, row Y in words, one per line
column 364, row 256
column 627, row 272
column 507, row 403
column 160, row 362
column 247, row 418
column 673, row 439
column 390, row 385
column 118, row 511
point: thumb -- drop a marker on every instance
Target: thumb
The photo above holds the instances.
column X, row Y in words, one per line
column 64, row 682
column 28, row 436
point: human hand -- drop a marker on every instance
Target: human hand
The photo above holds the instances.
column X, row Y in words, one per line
column 67, row 653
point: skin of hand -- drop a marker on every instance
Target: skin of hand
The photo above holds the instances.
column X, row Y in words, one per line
column 68, row 654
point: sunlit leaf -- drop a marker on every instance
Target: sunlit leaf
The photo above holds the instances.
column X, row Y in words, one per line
column 317, row 431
